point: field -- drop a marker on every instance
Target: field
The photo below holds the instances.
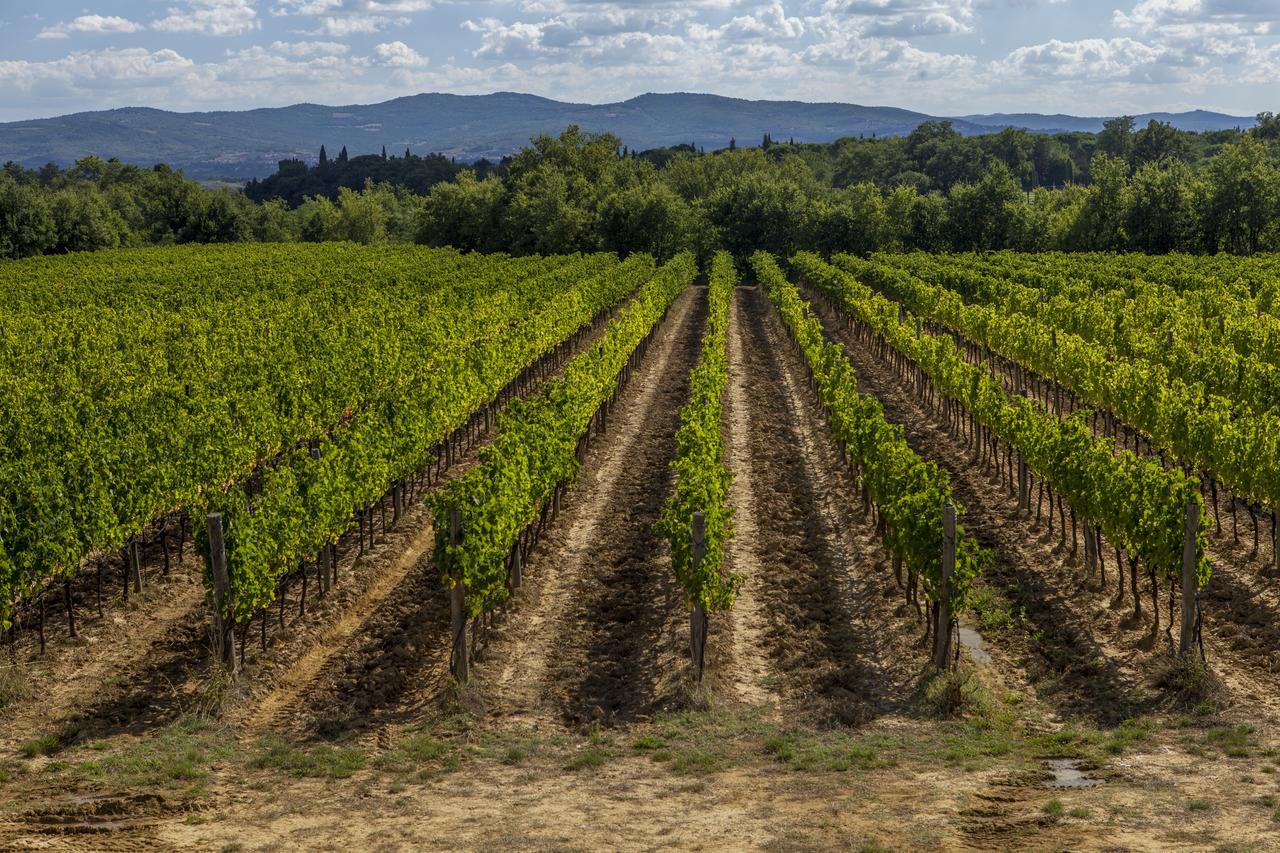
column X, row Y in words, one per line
column 484, row 522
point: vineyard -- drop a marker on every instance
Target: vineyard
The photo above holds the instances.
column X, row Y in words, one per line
column 897, row 514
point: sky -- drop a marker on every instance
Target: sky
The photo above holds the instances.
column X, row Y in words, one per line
column 945, row 57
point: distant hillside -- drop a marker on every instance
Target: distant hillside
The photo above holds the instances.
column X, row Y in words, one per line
column 249, row 143
column 1196, row 120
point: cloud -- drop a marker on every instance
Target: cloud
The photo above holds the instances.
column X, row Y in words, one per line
column 1256, row 17
column 902, row 18
column 397, row 54
column 90, row 70
column 309, row 48
column 211, row 18
column 341, row 27
column 1092, row 59
column 90, row 24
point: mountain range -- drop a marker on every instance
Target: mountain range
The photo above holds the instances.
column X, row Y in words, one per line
column 239, row 145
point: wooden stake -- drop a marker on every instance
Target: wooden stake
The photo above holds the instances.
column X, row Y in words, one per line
column 135, row 559
column 698, row 622
column 71, row 609
column 942, row 633
column 1190, row 593
column 461, row 664
column 224, row 630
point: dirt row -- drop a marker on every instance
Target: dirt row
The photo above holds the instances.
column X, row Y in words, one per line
column 818, row 602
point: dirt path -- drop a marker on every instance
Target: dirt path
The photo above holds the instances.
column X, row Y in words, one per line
column 745, row 671
column 832, row 629
column 279, row 705
column 597, row 634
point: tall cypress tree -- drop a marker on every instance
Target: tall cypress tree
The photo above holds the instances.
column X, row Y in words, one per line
column 384, row 152
column 342, row 155
column 324, row 158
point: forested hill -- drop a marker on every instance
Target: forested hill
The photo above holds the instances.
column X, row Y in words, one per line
column 250, row 143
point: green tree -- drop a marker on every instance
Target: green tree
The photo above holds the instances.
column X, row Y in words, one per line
column 465, row 214
column 1157, row 141
column 646, row 217
column 986, row 214
column 1116, row 137
column 1100, row 225
column 1162, row 208
column 853, row 220
column 83, row 220
column 1239, row 205
column 27, row 225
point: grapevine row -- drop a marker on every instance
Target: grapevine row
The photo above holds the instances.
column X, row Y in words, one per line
column 702, row 478
column 1136, row 502
column 483, row 518
column 118, row 411
column 909, row 493
column 1238, row 449
column 304, row 504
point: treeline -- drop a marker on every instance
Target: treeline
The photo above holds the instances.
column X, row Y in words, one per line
column 1153, row 189
column 294, row 181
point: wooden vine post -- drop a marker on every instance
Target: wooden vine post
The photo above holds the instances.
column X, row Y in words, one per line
column 1275, row 531
column 461, row 662
column 1190, row 593
column 943, row 630
column 698, row 622
column 224, row 628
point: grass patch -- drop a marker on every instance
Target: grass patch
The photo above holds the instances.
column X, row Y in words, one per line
column 1190, row 680
column 974, row 744
column 1079, row 813
column 992, row 611
column 697, row 761
column 951, row 693
column 324, row 761
column 588, row 759
column 648, row 743
column 181, row 753
column 411, row 754
column 39, row 746
column 1054, row 808
column 1199, row 806
column 835, row 751
column 15, row 683
column 1232, row 740
column 1132, row 731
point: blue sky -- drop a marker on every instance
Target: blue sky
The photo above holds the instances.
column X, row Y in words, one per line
column 940, row 56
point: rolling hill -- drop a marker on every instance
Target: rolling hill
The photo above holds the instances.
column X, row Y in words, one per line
column 244, row 144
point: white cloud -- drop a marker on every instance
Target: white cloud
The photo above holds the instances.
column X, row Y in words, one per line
column 901, row 18
column 341, row 27
column 1257, row 17
column 1092, row 59
column 397, row 54
column 90, row 70
column 211, row 18
column 349, row 8
column 309, row 48
column 104, row 24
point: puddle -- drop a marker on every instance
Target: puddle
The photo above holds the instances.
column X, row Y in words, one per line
column 1067, row 774
column 972, row 641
